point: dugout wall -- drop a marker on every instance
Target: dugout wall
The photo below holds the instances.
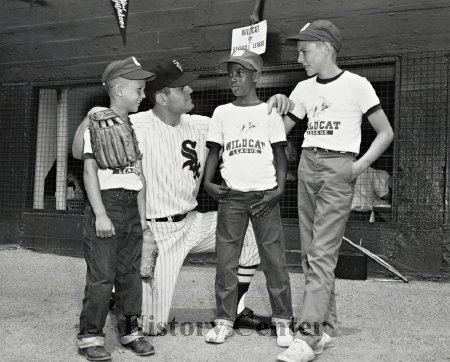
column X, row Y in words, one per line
column 53, row 52
column 42, row 194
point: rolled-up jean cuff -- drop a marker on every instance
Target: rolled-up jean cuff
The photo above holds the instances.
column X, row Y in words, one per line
column 90, row 342
column 131, row 337
column 225, row 322
column 284, row 321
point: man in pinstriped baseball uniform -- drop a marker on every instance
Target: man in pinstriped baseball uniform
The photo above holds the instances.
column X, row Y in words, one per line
column 174, row 151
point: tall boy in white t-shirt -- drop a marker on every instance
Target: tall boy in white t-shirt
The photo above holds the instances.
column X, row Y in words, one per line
column 334, row 100
column 113, row 229
column 251, row 140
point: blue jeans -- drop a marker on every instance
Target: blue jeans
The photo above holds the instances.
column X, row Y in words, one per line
column 232, row 222
column 113, row 261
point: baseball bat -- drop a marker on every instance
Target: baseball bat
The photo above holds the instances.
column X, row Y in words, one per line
column 377, row 259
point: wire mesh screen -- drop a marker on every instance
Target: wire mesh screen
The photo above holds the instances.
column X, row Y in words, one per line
column 423, row 142
column 17, row 145
column 408, row 182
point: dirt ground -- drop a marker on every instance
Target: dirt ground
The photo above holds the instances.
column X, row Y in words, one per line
column 380, row 320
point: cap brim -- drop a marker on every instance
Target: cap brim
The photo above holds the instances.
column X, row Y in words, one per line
column 292, row 40
column 185, row 79
column 245, row 64
column 139, row 74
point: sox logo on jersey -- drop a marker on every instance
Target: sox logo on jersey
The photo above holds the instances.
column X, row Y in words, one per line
column 188, row 151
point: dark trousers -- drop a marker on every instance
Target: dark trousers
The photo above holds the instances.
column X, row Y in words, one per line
column 232, row 222
column 113, row 261
column 325, row 193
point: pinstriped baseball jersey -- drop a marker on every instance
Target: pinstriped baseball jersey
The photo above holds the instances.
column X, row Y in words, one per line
column 173, row 162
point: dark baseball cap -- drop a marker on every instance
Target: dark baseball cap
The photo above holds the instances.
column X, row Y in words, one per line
column 128, row 68
column 170, row 73
column 246, row 58
column 318, row 30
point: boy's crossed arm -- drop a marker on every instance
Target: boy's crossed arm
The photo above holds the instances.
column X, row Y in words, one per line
column 271, row 197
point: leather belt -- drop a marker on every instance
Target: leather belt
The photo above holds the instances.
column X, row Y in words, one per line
column 173, row 218
column 318, row 149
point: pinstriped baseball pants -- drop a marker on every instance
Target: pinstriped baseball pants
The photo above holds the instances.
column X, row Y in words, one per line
column 194, row 234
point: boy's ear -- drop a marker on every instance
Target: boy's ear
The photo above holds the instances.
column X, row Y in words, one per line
column 117, row 90
column 328, row 47
column 256, row 76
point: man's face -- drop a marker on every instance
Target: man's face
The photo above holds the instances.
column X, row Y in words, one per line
column 179, row 99
column 240, row 79
column 133, row 94
column 311, row 55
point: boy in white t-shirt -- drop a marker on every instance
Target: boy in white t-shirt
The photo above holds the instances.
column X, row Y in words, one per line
column 113, row 229
column 251, row 141
column 334, row 101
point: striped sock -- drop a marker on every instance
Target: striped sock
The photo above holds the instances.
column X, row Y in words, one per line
column 245, row 275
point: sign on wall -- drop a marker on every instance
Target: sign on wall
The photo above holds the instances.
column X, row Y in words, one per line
column 253, row 38
column 120, row 8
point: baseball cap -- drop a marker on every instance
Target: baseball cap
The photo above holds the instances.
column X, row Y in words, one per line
column 170, row 73
column 128, row 68
column 318, row 30
column 246, row 58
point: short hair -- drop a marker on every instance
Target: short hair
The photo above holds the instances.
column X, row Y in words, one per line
column 333, row 49
column 110, row 85
column 152, row 98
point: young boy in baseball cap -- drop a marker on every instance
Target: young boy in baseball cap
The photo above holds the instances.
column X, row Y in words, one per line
column 251, row 141
column 334, row 100
column 113, row 228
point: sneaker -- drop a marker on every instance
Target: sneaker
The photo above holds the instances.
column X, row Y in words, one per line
column 326, row 342
column 218, row 333
column 299, row 351
column 284, row 335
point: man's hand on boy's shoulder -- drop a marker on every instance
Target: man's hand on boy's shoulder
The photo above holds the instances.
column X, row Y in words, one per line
column 267, row 203
column 217, row 192
column 282, row 103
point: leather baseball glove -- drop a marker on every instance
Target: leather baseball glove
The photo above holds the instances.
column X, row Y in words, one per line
column 113, row 140
column 149, row 256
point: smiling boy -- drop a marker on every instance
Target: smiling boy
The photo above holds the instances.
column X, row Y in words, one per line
column 113, row 228
column 251, row 141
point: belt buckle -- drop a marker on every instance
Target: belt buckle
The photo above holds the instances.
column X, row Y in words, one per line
column 170, row 218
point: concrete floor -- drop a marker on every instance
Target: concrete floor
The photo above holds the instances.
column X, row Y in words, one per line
column 380, row 320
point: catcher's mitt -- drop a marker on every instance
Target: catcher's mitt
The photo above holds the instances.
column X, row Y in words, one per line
column 113, row 140
column 149, row 255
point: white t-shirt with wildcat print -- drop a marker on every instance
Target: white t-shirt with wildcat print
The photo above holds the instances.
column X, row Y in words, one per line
column 246, row 134
column 334, row 108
